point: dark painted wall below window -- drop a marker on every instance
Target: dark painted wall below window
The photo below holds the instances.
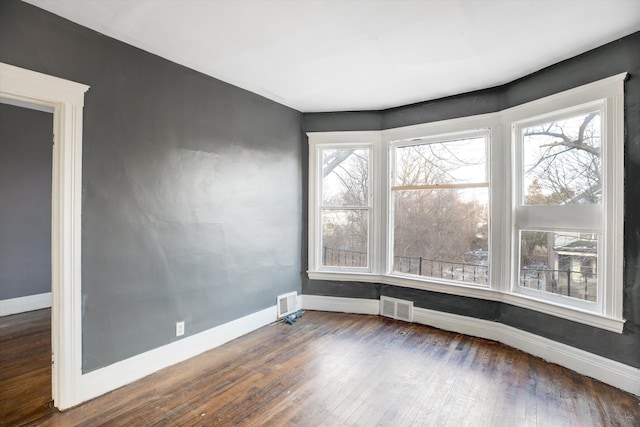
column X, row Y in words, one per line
column 619, row 56
column 25, row 201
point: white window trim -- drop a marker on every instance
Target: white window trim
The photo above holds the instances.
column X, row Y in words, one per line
column 485, row 133
column 324, row 140
column 570, row 218
column 609, row 316
column 607, row 95
column 369, row 206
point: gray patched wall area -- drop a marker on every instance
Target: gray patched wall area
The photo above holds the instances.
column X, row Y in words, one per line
column 25, row 201
column 191, row 188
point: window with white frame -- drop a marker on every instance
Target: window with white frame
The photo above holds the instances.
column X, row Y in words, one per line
column 344, row 207
column 440, row 207
column 559, row 216
column 537, row 189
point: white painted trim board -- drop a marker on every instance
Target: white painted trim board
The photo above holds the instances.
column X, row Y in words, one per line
column 26, row 303
column 101, row 381
column 341, row 305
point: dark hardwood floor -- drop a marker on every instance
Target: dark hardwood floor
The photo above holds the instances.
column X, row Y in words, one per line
column 333, row 369
column 25, row 366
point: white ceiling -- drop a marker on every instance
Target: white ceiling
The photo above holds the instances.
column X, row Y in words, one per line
column 331, row 55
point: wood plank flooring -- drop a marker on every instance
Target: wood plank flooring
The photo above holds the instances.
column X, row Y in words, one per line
column 333, row 369
column 25, row 366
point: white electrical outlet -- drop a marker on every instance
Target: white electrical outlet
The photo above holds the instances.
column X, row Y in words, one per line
column 179, row 329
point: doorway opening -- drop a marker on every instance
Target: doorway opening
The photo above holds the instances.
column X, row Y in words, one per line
column 25, row 263
column 26, row 88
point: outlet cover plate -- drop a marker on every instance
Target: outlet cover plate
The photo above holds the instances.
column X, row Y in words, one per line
column 179, row 329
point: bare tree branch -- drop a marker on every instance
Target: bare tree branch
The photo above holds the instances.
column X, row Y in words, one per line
column 584, row 125
column 331, row 162
column 575, row 145
column 562, row 136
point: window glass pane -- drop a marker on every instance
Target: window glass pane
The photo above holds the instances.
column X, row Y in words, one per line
column 561, row 263
column 562, row 161
column 345, row 237
column 345, row 177
column 451, row 162
column 442, row 233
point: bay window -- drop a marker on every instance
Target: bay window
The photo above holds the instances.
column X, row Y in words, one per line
column 522, row 206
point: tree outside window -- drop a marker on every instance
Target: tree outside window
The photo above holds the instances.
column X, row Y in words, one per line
column 561, row 167
column 441, row 209
column 345, row 207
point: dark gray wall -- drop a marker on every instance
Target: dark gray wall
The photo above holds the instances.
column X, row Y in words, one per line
column 617, row 57
column 191, row 199
column 25, row 201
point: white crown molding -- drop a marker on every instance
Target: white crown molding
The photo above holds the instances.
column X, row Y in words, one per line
column 22, row 304
column 614, row 373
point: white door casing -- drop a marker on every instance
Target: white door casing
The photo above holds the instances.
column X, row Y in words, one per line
column 26, row 88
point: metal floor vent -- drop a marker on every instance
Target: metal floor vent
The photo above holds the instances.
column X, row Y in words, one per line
column 287, row 304
column 396, row 308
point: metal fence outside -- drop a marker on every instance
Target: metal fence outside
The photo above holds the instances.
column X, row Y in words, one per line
column 575, row 284
column 466, row 272
column 463, row 272
column 343, row 258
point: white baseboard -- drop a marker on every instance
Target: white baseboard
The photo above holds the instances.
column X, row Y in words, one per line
column 614, row 373
column 342, row 305
column 22, row 304
column 608, row 371
column 101, row 381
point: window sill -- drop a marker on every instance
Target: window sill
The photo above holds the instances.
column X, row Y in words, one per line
column 595, row 320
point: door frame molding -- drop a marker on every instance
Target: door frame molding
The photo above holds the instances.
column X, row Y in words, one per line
column 65, row 99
